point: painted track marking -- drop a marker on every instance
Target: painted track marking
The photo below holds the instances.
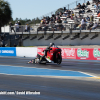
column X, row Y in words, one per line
column 16, row 70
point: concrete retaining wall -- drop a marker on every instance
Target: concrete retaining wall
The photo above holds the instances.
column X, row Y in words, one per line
column 60, row 41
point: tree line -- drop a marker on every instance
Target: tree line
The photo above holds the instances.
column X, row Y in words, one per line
column 25, row 21
column 6, row 16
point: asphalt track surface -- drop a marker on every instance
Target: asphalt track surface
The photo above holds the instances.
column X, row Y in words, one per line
column 51, row 87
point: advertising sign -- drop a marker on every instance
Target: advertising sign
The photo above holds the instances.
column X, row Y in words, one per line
column 96, row 54
column 68, row 53
column 78, row 53
column 84, row 53
column 7, row 51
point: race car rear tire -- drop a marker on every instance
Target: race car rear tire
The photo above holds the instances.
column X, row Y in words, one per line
column 59, row 59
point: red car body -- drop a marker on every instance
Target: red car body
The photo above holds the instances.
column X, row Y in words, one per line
column 52, row 55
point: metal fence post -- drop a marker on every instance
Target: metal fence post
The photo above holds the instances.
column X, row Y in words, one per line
column 76, row 3
column 71, row 29
column 84, row 1
column 68, row 6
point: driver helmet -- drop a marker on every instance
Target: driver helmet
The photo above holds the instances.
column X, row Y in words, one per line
column 51, row 44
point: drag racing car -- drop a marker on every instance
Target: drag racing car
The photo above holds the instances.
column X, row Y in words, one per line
column 52, row 54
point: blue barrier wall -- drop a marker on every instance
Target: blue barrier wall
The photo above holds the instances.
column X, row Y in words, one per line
column 7, row 51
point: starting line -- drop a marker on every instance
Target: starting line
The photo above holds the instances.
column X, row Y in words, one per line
column 27, row 71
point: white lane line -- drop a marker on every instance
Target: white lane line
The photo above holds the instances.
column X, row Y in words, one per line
column 87, row 74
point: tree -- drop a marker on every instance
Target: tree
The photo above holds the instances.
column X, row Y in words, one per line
column 37, row 20
column 59, row 10
column 5, row 13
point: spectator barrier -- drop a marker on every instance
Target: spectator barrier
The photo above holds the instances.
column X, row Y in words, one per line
column 67, row 53
column 78, row 53
column 18, row 51
column 26, row 51
column 7, row 51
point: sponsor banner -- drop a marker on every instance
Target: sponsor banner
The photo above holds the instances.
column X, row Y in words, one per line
column 96, row 54
column 7, row 51
column 68, row 53
column 77, row 53
column 84, row 54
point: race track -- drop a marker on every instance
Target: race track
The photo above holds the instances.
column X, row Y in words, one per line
column 72, row 80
